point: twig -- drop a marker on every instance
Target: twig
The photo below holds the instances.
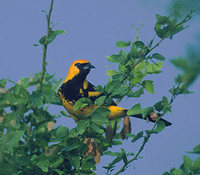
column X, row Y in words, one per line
column 146, row 139
column 48, row 17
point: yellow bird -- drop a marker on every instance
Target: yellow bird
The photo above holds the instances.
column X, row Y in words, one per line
column 76, row 86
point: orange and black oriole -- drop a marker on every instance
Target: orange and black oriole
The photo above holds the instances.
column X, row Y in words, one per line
column 76, row 86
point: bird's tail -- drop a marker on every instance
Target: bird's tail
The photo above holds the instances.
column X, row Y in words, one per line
column 149, row 118
column 118, row 112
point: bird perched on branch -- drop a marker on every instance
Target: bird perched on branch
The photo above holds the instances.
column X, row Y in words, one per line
column 76, row 86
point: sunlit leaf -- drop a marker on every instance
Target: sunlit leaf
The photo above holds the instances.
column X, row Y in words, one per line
column 137, row 136
column 52, row 36
column 81, row 103
column 146, row 111
column 99, row 116
column 113, row 154
column 148, row 85
column 100, row 100
column 139, row 44
column 36, row 98
column 159, row 127
column 97, row 129
column 136, row 109
column 158, row 56
column 62, row 132
column 123, row 44
column 82, row 125
column 113, row 58
column 187, row 162
column 111, row 72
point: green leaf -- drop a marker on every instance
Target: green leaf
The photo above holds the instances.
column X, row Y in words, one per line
column 82, row 125
column 159, row 127
column 120, row 92
column 180, row 63
column 52, row 36
column 139, row 44
column 148, row 85
column 113, row 154
column 2, row 83
column 197, row 149
column 153, row 68
column 57, row 163
column 72, row 145
column 196, row 165
column 134, row 52
column 99, row 116
column 177, row 30
column 97, row 129
column 124, row 156
column 111, row 165
column 81, row 103
column 8, row 169
column 116, row 142
column 167, row 105
column 59, row 32
column 88, row 165
column 64, row 114
column 62, row 132
column 43, row 165
column 165, row 173
column 123, row 44
column 10, row 140
column 178, row 79
column 136, row 109
column 158, row 56
column 159, row 31
column 178, row 172
column 137, row 93
column 99, row 101
column 35, row 45
column 58, row 171
column 138, row 77
column 123, row 59
column 163, row 105
column 161, row 19
column 113, row 85
column 36, row 98
column 113, row 58
column 146, row 111
column 111, row 72
column 159, row 106
column 137, row 136
column 187, row 162
column 148, row 132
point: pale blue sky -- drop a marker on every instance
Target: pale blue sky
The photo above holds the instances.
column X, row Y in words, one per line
column 92, row 29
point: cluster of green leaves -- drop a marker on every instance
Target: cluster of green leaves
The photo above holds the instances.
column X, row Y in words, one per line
column 190, row 65
column 26, row 126
column 133, row 66
column 28, row 140
column 189, row 166
column 180, row 8
column 129, row 81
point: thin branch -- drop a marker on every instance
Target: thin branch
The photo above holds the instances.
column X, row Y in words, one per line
column 142, row 58
column 146, row 139
column 48, row 17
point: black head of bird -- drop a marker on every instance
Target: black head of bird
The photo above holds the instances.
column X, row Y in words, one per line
column 80, row 69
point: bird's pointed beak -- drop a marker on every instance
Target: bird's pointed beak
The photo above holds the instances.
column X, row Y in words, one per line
column 88, row 66
column 91, row 66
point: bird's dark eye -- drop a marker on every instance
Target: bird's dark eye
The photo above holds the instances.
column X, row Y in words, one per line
column 78, row 65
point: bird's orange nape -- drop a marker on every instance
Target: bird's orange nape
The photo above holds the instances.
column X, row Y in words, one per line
column 73, row 70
